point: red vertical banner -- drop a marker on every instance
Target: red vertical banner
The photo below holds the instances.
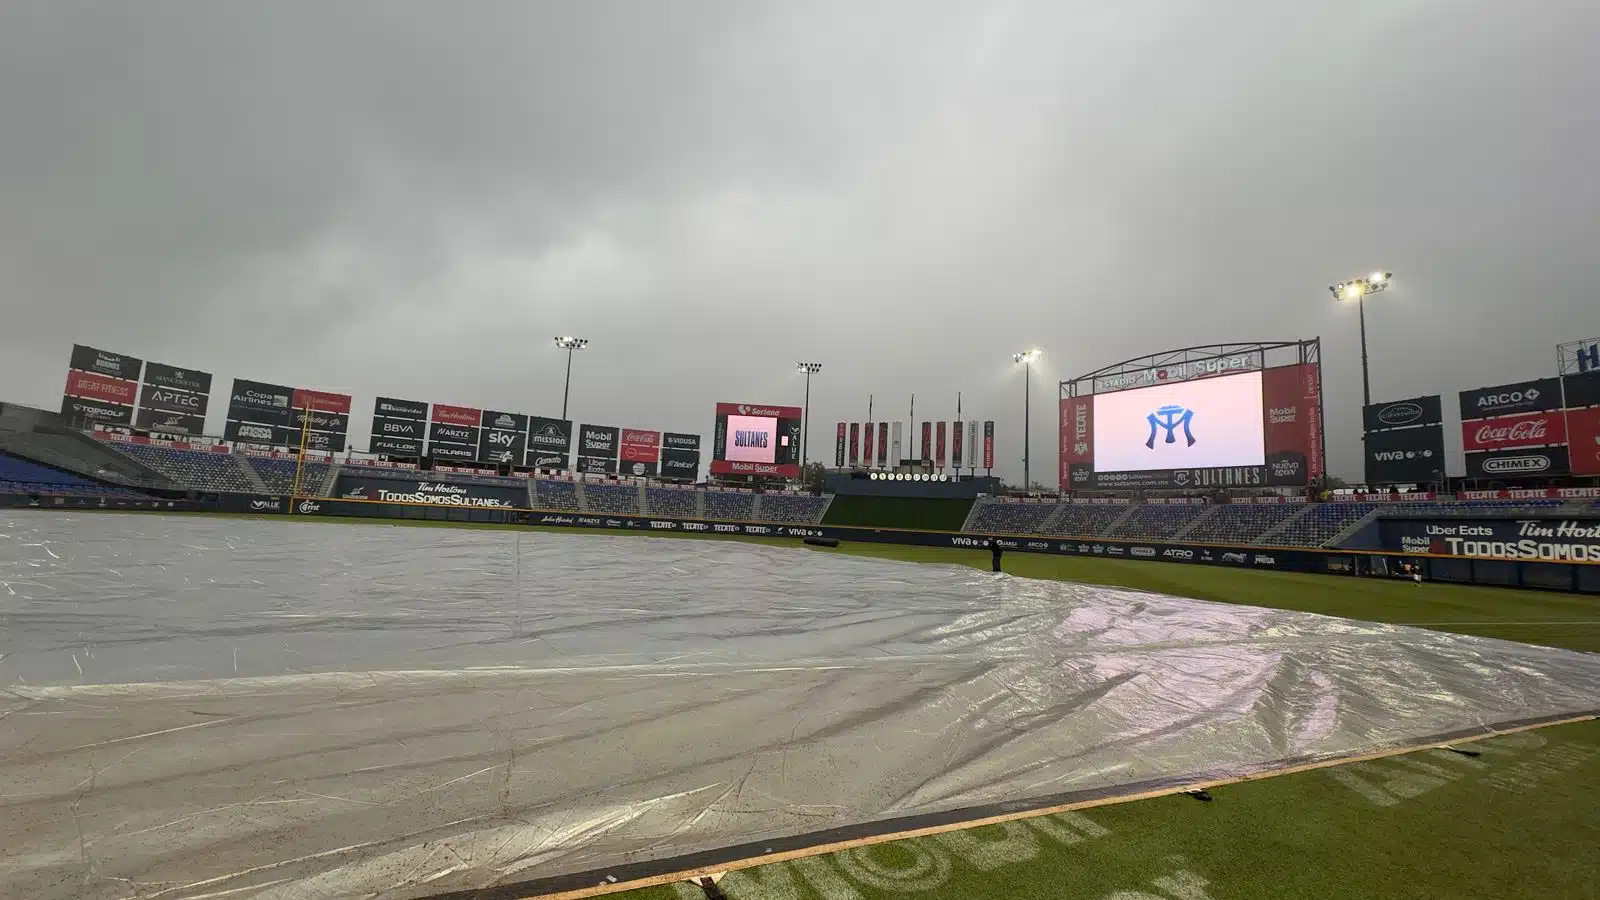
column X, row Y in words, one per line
column 883, row 445
column 927, row 444
column 1077, row 442
column 1311, row 380
column 938, row 444
column 866, row 445
column 1583, row 436
column 1291, row 401
column 988, row 444
column 838, row 449
column 955, row 445
column 855, row 444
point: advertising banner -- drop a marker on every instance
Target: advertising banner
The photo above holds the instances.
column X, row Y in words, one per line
column 1076, row 444
column 104, row 362
column 1406, row 455
column 1547, row 540
column 1509, row 399
column 676, row 441
column 1583, row 436
column 883, row 444
column 504, row 421
column 988, row 444
column 1582, row 389
column 257, row 433
column 638, row 469
column 938, row 443
column 955, row 445
column 972, row 445
column 94, row 412
column 927, row 444
column 456, row 435
column 640, row 446
column 497, row 445
column 322, row 401
column 1524, row 463
column 855, row 444
column 463, row 416
column 94, row 386
column 163, row 375
column 680, row 464
column 453, row 451
column 399, row 429
column 896, row 456
column 597, row 465
column 420, row 490
column 260, row 402
column 598, row 441
column 169, row 400
column 867, row 434
column 330, row 422
column 395, row 446
column 392, row 408
column 1525, row 430
column 1291, row 427
column 549, row 442
column 169, row 422
column 1426, row 410
column 838, row 447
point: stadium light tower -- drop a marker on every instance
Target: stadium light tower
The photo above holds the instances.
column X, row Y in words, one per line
column 1357, row 290
column 1025, row 360
column 805, row 413
column 569, row 344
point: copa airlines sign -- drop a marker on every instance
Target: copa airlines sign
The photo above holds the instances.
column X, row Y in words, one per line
column 1200, row 368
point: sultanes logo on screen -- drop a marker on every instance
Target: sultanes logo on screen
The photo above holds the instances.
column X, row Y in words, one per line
column 755, row 439
column 1170, row 418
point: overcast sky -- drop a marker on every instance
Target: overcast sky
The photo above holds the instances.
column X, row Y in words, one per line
column 411, row 199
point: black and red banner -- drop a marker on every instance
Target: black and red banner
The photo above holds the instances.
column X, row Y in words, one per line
column 883, row 445
column 105, row 388
column 1583, row 436
column 938, row 443
column 866, row 445
column 988, row 444
column 955, row 444
column 453, row 432
column 927, row 444
column 640, row 446
column 1077, row 443
column 756, row 439
column 1291, row 409
column 838, row 447
column 855, row 444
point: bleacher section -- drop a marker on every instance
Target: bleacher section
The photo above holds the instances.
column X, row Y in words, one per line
column 669, row 502
column 555, row 495
column 608, row 497
column 792, row 509
column 21, row 476
column 278, row 475
column 1320, row 523
column 1008, row 518
column 1084, row 520
column 1157, row 521
column 192, row 470
column 1240, row 523
column 82, row 455
column 730, row 505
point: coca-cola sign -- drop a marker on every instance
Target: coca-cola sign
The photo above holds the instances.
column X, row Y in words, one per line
column 1529, row 430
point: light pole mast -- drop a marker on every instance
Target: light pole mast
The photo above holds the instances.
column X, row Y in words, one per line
column 1358, row 290
column 569, row 344
column 810, row 368
column 1026, row 360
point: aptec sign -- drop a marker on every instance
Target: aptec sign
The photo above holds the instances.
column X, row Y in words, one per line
column 168, row 400
column 104, row 388
column 1527, row 430
column 1509, row 399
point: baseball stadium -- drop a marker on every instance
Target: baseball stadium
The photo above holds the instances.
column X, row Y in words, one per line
column 498, row 655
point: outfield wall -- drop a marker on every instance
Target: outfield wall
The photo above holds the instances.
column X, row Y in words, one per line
column 1569, row 576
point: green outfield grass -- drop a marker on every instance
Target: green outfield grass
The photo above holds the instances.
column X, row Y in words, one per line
column 1522, row 819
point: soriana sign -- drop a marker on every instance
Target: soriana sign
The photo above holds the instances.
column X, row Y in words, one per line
column 1527, row 430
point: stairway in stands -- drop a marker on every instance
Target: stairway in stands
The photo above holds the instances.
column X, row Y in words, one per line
column 250, row 474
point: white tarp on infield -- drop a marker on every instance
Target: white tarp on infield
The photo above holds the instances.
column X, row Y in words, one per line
column 254, row 709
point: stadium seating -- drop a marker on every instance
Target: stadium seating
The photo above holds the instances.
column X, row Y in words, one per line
column 1320, row 523
column 22, row 476
column 1240, row 523
column 792, row 509
column 191, row 469
column 1084, row 520
column 82, row 455
column 995, row 517
column 555, row 495
column 669, row 502
column 1157, row 521
column 730, row 505
column 607, row 497
column 278, row 475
